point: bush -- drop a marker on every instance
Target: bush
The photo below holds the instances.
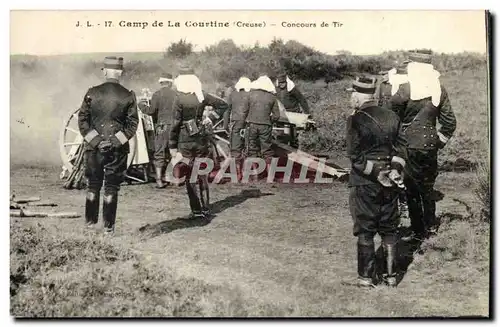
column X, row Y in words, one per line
column 179, row 49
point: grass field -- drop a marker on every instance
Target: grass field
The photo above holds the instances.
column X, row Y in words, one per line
column 271, row 250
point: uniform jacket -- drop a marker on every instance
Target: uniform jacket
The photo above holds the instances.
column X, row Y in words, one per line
column 419, row 119
column 187, row 107
column 108, row 112
column 161, row 106
column 239, row 105
column 264, row 108
column 374, row 142
column 291, row 100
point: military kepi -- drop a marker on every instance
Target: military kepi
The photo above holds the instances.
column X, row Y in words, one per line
column 166, row 78
column 366, row 85
column 113, row 63
column 186, row 70
column 422, row 56
column 282, row 78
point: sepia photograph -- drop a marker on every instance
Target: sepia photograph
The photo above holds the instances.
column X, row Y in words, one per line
column 250, row 164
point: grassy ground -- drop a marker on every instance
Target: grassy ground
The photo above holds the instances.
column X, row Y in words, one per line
column 254, row 258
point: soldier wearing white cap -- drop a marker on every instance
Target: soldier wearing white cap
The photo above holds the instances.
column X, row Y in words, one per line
column 421, row 102
column 161, row 110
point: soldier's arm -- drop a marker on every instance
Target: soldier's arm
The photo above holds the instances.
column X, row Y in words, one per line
column 246, row 107
column 446, row 118
column 275, row 111
column 227, row 113
column 302, row 100
column 358, row 160
column 151, row 109
column 130, row 125
column 176, row 124
column 399, row 153
column 88, row 132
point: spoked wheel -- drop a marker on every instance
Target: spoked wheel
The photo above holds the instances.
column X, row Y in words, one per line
column 71, row 145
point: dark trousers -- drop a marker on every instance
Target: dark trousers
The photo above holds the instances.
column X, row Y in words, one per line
column 197, row 190
column 420, row 176
column 108, row 168
column 374, row 209
column 260, row 137
column 237, row 142
column 161, row 154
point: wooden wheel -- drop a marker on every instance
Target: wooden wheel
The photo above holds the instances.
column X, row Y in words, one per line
column 71, row 141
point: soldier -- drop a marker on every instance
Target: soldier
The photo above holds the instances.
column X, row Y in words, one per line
column 238, row 107
column 161, row 111
column 376, row 150
column 290, row 96
column 107, row 120
column 387, row 88
column 188, row 136
column 293, row 100
column 390, row 83
column 420, row 102
column 263, row 112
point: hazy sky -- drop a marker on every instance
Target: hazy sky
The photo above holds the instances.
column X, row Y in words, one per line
column 362, row 32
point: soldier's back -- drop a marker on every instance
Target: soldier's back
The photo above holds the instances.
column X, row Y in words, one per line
column 239, row 102
column 261, row 105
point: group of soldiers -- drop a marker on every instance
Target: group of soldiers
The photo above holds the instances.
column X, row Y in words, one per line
column 108, row 118
column 392, row 142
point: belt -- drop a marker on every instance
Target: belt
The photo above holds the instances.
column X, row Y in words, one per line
column 378, row 158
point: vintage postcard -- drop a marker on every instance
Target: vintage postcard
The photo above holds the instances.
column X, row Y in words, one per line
column 330, row 164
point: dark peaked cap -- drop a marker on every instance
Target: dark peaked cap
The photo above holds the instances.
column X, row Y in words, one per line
column 365, row 85
column 113, row 63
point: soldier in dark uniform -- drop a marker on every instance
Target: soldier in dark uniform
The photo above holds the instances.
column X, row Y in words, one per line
column 385, row 90
column 291, row 97
column 107, row 120
column 293, row 100
column 239, row 106
column 420, row 103
column 391, row 79
column 377, row 151
column 188, row 136
column 161, row 111
column 263, row 112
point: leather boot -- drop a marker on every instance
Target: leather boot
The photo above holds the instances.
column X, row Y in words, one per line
column 204, row 196
column 366, row 260
column 415, row 211
column 389, row 246
column 92, row 207
column 254, row 178
column 159, row 179
column 109, row 212
column 239, row 174
column 194, row 200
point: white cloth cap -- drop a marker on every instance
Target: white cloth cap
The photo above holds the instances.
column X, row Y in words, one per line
column 243, row 83
column 264, row 83
column 424, row 82
column 189, row 84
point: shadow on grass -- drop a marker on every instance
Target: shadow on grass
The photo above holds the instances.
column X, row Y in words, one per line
column 169, row 226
